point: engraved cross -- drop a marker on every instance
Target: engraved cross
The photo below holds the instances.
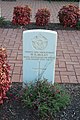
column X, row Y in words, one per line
column 39, row 71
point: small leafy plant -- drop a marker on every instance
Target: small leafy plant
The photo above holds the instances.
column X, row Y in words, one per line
column 46, row 98
column 42, row 17
column 21, row 15
column 2, row 20
column 78, row 24
column 4, row 75
column 69, row 15
column 4, row 23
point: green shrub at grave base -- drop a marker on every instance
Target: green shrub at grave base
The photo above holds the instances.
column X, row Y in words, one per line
column 21, row 15
column 46, row 98
column 69, row 15
column 42, row 17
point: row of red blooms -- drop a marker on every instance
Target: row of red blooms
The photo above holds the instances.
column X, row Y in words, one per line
column 21, row 16
column 4, row 75
column 68, row 15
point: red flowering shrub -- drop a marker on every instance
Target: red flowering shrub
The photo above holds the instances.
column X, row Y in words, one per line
column 4, row 75
column 42, row 17
column 69, row 15
column 21, row 15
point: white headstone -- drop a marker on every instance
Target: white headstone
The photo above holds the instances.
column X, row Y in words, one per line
column 39, row 55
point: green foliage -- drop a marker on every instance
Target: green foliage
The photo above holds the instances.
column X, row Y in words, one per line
column 46, row 98
column 2, row 20
column 78, row 24
column 7, row 22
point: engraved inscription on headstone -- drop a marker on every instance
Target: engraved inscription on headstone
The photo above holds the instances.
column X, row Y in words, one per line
column 39, row 55
column 39, row 42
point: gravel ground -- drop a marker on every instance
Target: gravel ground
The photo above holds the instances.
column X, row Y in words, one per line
column 13, row 108
column 71, row 112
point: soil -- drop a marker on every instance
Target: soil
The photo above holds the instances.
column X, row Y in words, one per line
column 13, row 108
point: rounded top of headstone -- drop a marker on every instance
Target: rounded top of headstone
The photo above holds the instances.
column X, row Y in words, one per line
column 40, row 30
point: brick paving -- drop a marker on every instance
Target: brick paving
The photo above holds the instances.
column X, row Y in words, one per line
column 54, row 7
column 68, row 46
column 67, row 61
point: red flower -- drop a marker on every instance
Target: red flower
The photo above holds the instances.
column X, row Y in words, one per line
column 4, row 75
column 69, row 15
column 21, row 15
column 42, row 17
